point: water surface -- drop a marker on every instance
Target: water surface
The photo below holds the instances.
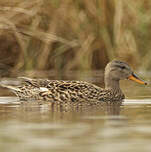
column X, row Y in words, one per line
column 30, row 127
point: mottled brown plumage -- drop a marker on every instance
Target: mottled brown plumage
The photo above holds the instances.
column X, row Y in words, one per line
column 60, row 91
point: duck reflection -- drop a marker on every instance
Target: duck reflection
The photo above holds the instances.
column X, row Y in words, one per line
column 51, row 111
column 104, row 108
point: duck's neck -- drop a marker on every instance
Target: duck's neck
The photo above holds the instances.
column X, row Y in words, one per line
column 112, row 84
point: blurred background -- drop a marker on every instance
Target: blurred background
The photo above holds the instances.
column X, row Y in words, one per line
column 43, row 35
column 75, row 39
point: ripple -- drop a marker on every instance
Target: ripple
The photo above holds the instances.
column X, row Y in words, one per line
column 136, row 101
column 7, row 100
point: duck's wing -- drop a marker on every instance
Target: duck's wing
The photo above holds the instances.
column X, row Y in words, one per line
column 33, row 82
column 57, row 90
column 71, row 90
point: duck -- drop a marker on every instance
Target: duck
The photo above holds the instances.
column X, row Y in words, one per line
column 74, row 91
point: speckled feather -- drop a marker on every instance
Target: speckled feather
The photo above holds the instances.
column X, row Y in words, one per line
column 64, row 91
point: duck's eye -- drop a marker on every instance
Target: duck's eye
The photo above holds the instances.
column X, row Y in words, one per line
column 123, row 67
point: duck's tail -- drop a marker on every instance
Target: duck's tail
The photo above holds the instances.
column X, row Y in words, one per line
column 18, row 87
column 12, row 88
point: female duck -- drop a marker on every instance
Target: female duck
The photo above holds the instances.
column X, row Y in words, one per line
column 77, row 91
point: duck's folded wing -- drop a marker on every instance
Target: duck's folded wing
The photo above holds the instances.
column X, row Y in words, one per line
column 72, row 90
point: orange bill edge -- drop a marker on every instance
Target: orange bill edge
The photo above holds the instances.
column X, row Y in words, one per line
column 136, row 79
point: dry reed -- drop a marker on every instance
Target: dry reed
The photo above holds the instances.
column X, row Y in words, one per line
column 65, row 35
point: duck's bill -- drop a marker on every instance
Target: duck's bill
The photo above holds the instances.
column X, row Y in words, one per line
column 134, row 77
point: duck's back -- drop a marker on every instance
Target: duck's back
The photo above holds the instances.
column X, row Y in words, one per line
column 58, row 90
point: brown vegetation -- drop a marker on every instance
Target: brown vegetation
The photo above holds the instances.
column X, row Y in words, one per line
column 73, row 34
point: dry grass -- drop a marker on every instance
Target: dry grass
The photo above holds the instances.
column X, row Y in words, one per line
column 65, row 35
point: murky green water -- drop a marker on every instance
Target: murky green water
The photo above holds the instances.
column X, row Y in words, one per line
column 30, row 127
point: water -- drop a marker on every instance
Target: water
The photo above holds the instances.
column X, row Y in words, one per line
column 30, row 127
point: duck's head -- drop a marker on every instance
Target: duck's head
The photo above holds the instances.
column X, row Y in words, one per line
column 118, row 70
